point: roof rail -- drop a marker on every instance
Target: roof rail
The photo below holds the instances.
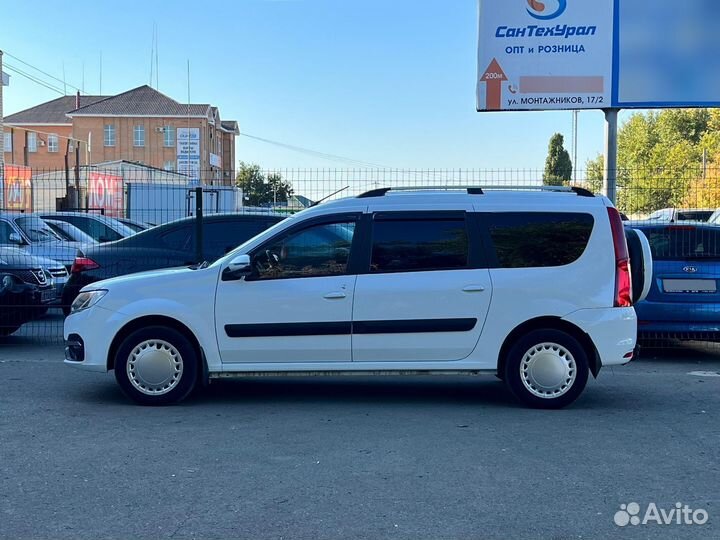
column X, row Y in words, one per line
column 478, row 190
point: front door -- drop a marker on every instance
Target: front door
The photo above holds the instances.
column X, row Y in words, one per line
column 297, row 305
column 427, row 291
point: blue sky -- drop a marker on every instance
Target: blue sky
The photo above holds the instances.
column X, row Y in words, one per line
column 389, row 82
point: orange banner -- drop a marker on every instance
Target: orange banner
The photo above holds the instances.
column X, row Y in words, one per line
column 17, row 191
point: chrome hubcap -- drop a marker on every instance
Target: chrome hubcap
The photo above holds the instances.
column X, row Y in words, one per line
column 548, row 370
column 154, row 367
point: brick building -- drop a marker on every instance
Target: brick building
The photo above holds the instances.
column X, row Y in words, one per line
column 141, row 125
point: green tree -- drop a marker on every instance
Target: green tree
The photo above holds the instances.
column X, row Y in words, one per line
column 558, row 166
column 660, row 155
column 594, row 173
column 260, row 189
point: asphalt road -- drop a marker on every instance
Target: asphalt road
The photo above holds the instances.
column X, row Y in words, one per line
column 408, row 458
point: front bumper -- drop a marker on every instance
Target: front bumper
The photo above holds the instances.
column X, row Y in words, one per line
column 88, row 336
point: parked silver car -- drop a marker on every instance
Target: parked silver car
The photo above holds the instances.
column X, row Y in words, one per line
column 100, row 228
column 30, row 233
column 69, row 232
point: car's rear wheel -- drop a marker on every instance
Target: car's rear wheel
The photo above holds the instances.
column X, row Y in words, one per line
column 156, row 366
column 547, row 369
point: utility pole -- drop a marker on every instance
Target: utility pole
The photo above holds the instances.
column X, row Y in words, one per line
column 610, row 174
column 575, row 144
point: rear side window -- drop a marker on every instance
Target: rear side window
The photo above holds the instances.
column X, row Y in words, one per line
column 179, row 239
column 693, row 215
column 408, row 245
column 672, row 243
column 539, row 239
column 221, row 237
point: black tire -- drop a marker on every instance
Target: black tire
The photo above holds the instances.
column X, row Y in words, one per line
column 565, row 344
column 180, row 388
column 8, row 330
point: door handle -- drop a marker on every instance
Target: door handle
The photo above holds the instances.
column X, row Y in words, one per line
column 473, row 288
column 334, row 295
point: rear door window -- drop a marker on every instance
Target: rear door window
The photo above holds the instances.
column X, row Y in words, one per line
column 538, row 239
column 417, row 245
column 672, row 243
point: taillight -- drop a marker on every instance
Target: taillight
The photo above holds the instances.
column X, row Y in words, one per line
column 82, row 264
column 623, row 283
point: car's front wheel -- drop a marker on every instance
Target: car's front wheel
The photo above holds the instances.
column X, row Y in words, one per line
column 157, row 365
column 547, row 369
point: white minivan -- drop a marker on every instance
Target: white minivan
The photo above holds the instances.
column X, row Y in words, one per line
column 533, row 286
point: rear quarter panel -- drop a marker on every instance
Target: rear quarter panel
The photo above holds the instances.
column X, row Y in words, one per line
column 522, row 294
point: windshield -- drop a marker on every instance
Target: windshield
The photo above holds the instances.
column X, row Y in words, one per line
column 36, row 229
column 691, row 243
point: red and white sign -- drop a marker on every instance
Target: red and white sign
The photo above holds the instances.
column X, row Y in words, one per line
column 106, row 191
column 17, row 191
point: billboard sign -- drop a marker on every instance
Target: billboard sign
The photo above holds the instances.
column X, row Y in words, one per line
column 540, row 55
column 582, row 54
column 105, row 191
column 188, row 153
column 17, row 188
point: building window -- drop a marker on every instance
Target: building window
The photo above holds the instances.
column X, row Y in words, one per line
column 32, row 142
column 109, row 134
column 139, row 136
column 169, row 165
column 169, row 136
column 52, row 143
column 7, row 143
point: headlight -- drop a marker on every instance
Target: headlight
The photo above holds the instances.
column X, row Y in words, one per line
column 87, row 300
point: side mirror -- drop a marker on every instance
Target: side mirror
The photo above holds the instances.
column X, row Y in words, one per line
column 15, row 238
column 239, row 267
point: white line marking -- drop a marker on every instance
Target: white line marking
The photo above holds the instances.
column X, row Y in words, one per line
column 704, row 373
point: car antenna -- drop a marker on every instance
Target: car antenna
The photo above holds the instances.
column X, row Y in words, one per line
column 328, row 196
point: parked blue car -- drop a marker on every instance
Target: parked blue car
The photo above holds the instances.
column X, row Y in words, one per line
column 683, row 301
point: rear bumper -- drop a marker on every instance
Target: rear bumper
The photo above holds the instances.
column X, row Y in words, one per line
column 678, row 320
column 613, row 331
column 692, row 331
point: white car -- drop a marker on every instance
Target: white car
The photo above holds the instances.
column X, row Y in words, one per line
column 533, row 286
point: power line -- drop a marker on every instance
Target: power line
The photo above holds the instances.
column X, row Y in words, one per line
column 40, row 70
column 324, row 155
column 35, row 79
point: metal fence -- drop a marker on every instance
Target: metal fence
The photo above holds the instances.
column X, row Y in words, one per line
column 54, row 224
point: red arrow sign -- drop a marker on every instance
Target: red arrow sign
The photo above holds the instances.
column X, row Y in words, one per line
column 493, row 77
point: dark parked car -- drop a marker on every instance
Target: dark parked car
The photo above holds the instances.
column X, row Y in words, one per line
column 684, row 300
column 164, row 246
column 19, row 302
column 27, row 288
